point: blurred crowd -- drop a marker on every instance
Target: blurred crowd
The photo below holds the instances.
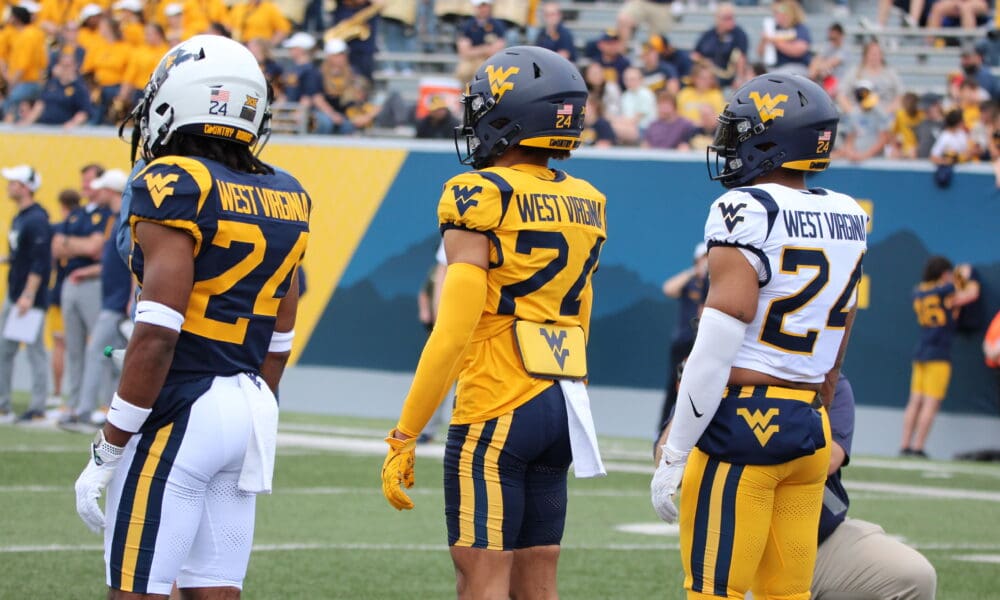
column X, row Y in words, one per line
column 70, row 63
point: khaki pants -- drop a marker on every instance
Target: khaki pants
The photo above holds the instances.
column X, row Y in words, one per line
column 657, row 17
column 860, row 562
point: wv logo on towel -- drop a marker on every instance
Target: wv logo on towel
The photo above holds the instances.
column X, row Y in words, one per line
column 760, row 424
column 465, row 197
column 555, row 341
column 731, row 214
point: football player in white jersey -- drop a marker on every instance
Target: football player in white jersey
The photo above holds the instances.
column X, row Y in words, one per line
column 750, row 437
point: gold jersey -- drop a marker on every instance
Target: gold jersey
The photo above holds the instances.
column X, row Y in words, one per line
column 546, row 230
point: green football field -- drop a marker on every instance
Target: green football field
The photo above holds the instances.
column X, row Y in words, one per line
column 327, row 532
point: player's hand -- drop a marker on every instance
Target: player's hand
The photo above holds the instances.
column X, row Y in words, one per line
column 104, row 458
column 397, row 470
column 666, row 480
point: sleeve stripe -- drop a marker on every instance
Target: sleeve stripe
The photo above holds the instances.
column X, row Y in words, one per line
column 506, row 191
column 767, row 202
column 182, row 224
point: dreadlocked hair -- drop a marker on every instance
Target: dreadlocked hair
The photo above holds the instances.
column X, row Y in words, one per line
column 234, row 155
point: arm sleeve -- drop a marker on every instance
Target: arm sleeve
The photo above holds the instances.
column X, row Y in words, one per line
column 463, row 297
column 705, row 376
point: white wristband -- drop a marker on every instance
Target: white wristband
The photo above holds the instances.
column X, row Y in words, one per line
column 154, row 313
column 281, row 341
column 127, row 416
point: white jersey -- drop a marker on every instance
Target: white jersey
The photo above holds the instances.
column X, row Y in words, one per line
column 807, row 247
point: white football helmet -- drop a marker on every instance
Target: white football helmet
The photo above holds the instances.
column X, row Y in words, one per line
column 207, row 85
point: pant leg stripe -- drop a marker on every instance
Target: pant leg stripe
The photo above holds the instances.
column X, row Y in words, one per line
column 135, row 511
column 482, row 503
column 467, row 495
column 494, row 487
column 727, row 530
column 124, row 515
column 702, row 512
column 147, row 542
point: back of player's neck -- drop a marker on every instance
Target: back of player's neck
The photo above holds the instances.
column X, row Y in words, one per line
column 789, row 179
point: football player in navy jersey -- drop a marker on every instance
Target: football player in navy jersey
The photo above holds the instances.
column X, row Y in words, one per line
column 217, row 239
column 750, row 437
column 936, row 302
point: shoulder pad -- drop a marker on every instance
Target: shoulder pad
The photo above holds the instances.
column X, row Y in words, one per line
column 473, row 201
column 741, row 218
column 171, row 187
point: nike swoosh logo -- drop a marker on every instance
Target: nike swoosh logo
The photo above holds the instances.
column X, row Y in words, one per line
column 694, row 408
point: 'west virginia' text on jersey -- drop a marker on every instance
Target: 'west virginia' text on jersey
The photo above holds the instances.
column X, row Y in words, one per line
column 250, row 233
column 807, row 246
column 546, row 230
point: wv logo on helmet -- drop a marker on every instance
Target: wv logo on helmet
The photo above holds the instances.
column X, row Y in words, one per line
column 767, row 107
column 760, row 424
column 555, row 341
column 465, row 197
column 731, row 214
column 498, row 77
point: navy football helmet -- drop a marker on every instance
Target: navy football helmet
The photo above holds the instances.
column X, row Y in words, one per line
column 521, row 95
column 773, row 121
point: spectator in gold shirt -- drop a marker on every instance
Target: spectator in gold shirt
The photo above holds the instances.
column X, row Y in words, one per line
column 27, row 61
column 104, row 65
column 89, row 35
column 142, row 63
column 252, row 19
column 128, row 15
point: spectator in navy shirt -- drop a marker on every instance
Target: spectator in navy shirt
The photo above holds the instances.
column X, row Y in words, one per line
column 597, row 130
column 657, row 74
column 673, row 56
column 361, row 48
column 30, row 262
column 791, row 40
column 479, row 37
column 65, row 99
column 610, row 54
column 439, row 123
column 555, row 36
column 723, row 47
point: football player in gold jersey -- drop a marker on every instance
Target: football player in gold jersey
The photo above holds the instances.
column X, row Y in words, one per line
column 522, row 241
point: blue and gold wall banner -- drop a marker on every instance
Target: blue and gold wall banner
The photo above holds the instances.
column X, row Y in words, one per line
column 374, row 235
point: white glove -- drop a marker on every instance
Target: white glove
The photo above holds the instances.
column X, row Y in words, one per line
column 666, row 480
column 90, row 484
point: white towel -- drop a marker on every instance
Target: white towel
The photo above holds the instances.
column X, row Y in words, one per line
column 582, row 436
column 258, row 462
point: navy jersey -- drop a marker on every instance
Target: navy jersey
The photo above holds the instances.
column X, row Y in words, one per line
column 835, row 499
column 30, row 252
column 84, row 222
column 932, row 303
column 250, row 234
column 562, row 40
column 482, row 33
